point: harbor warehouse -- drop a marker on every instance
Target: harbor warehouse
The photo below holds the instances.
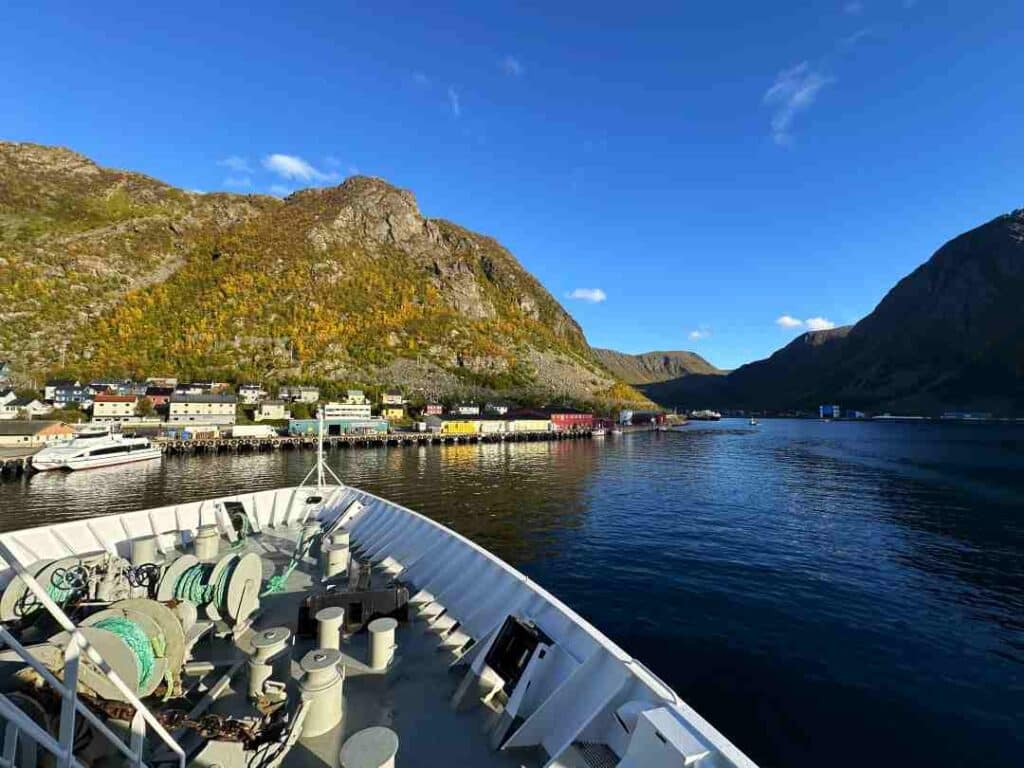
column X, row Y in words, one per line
column 32, row 434
column 201, row 409
column 333, row 427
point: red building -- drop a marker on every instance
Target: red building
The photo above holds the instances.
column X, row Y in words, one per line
column 569, row 419
column 433, row 409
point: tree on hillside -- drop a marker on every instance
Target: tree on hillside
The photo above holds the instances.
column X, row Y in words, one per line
column 145, row 408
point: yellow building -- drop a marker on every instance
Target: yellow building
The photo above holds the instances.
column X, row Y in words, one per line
column 392, row 412
column 460, row 427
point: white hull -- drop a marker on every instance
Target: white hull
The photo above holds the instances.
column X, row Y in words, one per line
column 579, row 695
column 90, row 462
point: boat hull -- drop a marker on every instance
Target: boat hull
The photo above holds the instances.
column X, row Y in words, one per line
column 91, row 462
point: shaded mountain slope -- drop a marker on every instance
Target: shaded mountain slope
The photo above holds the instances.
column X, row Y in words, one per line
column 651, row 367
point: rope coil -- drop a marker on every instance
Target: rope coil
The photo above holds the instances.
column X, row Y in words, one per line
column 144, row 649
column 194, row 585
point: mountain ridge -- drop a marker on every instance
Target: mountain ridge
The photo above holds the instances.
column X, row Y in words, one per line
column 109, row 272
column 655, row 366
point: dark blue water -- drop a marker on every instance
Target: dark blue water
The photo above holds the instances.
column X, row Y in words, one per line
column 825, row 594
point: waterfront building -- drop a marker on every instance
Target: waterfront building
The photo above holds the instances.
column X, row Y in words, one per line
column 21, row 407
column 497, row 409
column 114, row 408
column 528, row 420
column 829, row 411
column 336, row 427
column 350, row 408
column 392, row 412
column 162, row 381
column 570, row 419
column 33, row 434
column 459, row 425
column 392, row 397
column 202, row 409
column 493, row 425
column 433, row 409
column 272, row 410
column 62, row 392
column 299, row 394
column 466, row 409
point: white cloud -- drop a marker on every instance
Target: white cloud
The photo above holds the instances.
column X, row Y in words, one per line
column 453, row 101
column 788, row 321
column 699, row 333
column 853, row 8
column 236, row 163
column 593, row 295
column 793, row 91
column 819, row 324
column 512, row 67
column 292, row 167
column 239, row 182
column 811, row 323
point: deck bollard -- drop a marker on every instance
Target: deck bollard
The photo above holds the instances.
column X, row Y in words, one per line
column 321, row 687
column 370, row 748
column 382, row 643
column 207, row 542
column 270, row 660
column 329, row 621
column 144, row 551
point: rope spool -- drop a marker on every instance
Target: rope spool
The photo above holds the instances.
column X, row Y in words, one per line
column 136, row 639
column 205, row 584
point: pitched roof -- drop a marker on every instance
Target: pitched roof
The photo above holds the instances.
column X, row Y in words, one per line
column 203, row 399
column 115, row 399
column 26, row 427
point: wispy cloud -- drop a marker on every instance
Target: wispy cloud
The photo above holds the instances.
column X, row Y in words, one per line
column 293, row 167
column 699, row 333
column 853, row 8
column 453, row 101
column 512, row 66
column 793, row 91
column 235, row 163
column 593, row 295
column 238, row 182
column 811, row 323
column 788, row 321
column 819, row 324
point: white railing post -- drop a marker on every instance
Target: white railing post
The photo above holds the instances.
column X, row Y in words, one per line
column 69, row 698
column 138, row 727
column 10, row 745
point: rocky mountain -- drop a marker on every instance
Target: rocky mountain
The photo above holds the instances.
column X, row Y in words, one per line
column 948, row 336
column 652, row 367
column 107, row 272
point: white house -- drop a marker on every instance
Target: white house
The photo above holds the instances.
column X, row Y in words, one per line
column 250, row 394
column 114, row 408
column 272, row 410
column 392, row 397
column 300, row 394
column 466, row 409
column 201, row 409
column 347, row 410
column 23, row 407
column 7, row 395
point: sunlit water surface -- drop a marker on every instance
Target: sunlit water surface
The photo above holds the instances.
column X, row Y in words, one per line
column 825, row 594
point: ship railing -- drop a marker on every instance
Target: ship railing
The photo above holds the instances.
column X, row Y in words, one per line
column 62, row 747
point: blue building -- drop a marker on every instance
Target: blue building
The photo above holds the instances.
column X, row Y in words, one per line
column 334, row 427
column 829, row 411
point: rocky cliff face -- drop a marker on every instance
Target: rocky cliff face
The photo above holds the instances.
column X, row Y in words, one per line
column 117, row 273
column 948, row 336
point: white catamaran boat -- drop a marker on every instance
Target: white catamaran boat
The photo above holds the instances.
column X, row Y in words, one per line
column 100, row 449
column 312, row 625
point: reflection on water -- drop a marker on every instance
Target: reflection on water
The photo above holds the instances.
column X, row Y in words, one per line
column 803, row 585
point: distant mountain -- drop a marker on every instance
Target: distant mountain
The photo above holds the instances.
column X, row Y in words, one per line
column 110, row 272
column 651, row 367
column 948, row 336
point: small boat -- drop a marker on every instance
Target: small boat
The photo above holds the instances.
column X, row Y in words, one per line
column 753, row 422
column 599, row 432
column 89, row 450
column 706, row 415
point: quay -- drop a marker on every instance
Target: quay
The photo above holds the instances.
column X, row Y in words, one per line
column 173, row 446
column 14, row 465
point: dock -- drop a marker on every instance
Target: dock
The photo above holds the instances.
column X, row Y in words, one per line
column 14, row 465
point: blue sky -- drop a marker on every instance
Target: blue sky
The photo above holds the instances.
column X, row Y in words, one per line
column 702, row 169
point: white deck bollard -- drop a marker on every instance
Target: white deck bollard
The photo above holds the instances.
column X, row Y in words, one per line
column 321, row 687
column 329, row 621
column 370, row 748
column 382, row 643
column 207, row 542
column 270, row 659
column 144, row 551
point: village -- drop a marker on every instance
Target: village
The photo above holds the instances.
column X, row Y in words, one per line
column 180, row 413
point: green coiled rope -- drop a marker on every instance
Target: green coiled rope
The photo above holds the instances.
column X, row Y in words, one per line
column 276, row 582
column 194, row 585
column 136, row 639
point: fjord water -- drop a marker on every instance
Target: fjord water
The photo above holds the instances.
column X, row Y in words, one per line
column 824, row 593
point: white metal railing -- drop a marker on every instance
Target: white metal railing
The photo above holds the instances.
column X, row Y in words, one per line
column 62, row 747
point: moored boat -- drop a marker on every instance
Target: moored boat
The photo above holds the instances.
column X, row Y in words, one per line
column 706, row 415
column 89, row 450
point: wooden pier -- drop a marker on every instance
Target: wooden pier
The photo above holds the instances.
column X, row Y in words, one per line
column 12, row 467
column 173, row 446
